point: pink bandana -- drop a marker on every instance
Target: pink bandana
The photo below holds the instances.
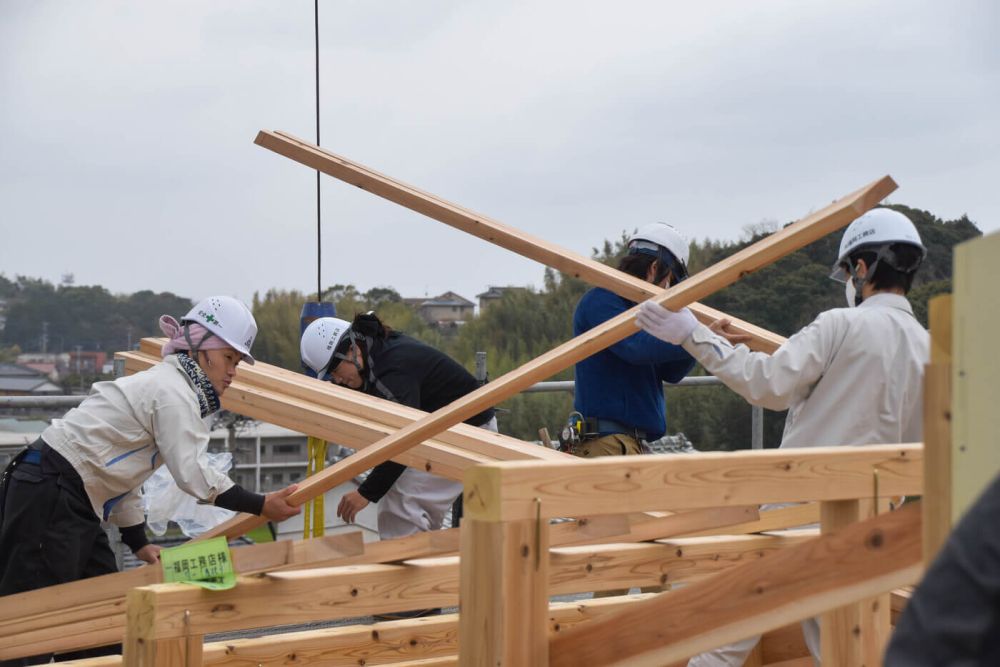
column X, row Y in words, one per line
column 200, row 336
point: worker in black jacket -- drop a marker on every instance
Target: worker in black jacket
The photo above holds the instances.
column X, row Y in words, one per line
column 370, row 357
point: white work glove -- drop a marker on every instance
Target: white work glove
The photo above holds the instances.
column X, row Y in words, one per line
column 665, row 324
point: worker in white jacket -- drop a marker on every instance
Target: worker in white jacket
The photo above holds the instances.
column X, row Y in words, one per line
column 854, row 376
column 88, row 467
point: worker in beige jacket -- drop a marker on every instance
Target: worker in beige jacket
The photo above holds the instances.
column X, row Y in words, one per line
column 88, row 467
column 854, row 376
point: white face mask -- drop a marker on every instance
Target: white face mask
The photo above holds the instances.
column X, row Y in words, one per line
column 850, row 292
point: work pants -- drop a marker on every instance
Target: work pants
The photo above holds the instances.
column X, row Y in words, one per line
column 418, row 501
column 614, row 444
column 50, row 535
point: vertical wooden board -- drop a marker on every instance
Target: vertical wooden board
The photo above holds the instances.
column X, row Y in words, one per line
column 936, row 524
column 503, row 599
column 855, row 634
column 975, row 417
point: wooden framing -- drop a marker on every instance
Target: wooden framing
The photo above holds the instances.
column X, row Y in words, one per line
column 512, row 490
column 164, row 614
column 760, row 254
column 864, row 558
column 937, row 518
column 87, row 613
column 495, row 232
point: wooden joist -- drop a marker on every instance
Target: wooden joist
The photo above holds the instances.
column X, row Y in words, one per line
column 358, row 590
column 712, row 279
column 860, row 561
column 515, row 490
column 532, row 247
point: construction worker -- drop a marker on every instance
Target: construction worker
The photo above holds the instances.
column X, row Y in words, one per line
column 619, row 390
column 370, row 357
column 89, row 465
column 853, row 376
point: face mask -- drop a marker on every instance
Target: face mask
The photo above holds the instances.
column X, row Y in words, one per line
column 850, row 292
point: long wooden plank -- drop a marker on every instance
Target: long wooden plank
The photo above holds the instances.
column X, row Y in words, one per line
column 795, row 516
column 292, row 385
column 495, row 232
column 862, row 560
column 712, row 279
column 514, row 489
column 358, row 590
column 363, row 423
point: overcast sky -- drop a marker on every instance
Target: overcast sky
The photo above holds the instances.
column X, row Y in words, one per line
column 127, row 155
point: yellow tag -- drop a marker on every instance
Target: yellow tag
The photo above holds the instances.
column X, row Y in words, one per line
column 207, row 564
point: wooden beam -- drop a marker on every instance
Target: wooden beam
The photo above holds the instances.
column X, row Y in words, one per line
column 937, row 429
column 323, row 594
column 526, row 245
column 507, row 491
column 854, row 634
column 504, row 593
column 802, row 514
column 339, row 417
column 862, row 560
column 389, row 643
column 712, row 279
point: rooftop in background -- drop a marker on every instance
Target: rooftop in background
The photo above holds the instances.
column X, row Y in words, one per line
column 17, row 380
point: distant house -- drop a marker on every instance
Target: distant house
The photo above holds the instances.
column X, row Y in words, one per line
column 444, row 309
column 17, row 380
column 494, row 294
column 87, row 363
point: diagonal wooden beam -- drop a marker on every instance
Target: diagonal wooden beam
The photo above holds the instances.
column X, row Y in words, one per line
column 764, row 252
column 495, row 232
column 862, row 560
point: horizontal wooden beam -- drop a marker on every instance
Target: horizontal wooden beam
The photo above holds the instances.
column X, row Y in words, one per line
column 860, row 561
column 513, row 490
column 358, row 590
column 712, row 279
column 800, row 514
column 481, row 226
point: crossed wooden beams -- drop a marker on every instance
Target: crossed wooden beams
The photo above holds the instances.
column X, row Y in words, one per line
column 768, row 250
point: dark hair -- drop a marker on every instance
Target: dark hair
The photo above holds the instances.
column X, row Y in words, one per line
column 637, row 264
column 886, row 276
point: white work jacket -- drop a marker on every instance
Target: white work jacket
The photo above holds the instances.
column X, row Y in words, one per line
column 128, row 428
column 854, row 376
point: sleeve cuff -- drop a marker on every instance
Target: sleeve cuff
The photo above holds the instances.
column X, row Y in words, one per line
column 134, row 536
column 239, row 499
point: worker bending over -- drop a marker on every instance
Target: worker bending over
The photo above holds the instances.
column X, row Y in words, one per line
column 372, row 358
column 854, row 376
column 89, row 465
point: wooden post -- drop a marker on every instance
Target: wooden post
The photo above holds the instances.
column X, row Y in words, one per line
column 142, row 648
column 503, row 583
column 937, row 430
column 976, row 368
column 855, row 634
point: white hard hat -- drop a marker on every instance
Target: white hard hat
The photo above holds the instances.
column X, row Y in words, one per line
column 229, row 319
column 319, row 342
column 664, row 235
column 878, row 227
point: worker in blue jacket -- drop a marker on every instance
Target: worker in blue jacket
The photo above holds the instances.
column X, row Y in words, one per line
column 619, row 390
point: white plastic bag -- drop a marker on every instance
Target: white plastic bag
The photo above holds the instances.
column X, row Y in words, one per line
column 164, row 501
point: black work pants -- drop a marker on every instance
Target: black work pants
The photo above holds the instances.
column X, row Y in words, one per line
column 50, row 534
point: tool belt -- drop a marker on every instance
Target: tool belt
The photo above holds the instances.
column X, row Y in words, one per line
column 595, row 427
